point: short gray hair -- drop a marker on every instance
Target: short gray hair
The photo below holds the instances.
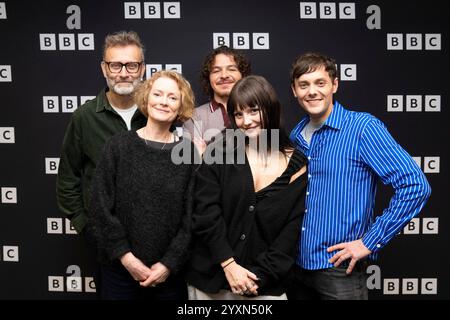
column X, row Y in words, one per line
column 121, row 39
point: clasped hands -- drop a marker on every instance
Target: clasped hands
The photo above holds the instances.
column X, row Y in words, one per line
column 146, row 276
column 241, row 280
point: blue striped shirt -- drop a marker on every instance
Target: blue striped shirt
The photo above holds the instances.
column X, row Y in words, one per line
column 346, row 157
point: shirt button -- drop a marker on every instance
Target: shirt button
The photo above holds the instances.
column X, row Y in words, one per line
column 309, row 176
column 309, row 158
column 378, row 245
column 306, row 210
column 251, row 208
column 307, row 193
column 242, row 237
column 303, row 228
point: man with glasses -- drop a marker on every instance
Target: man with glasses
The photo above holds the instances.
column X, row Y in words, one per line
column 93, row 123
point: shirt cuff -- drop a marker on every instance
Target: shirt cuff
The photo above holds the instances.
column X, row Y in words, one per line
column 79, row 222
column 373, row 241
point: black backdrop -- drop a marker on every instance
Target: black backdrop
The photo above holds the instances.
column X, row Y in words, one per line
column 41, row 257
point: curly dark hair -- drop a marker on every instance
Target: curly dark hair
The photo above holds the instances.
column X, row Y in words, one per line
column 242, row 62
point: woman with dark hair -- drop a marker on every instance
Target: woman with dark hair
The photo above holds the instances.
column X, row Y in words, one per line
column 247, row 214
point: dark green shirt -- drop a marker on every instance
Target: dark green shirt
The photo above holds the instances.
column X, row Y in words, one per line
column 91, row 125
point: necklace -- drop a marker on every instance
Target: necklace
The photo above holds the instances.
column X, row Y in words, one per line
column 146, row 139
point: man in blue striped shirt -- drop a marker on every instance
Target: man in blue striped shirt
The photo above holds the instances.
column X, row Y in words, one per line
column 348, row 151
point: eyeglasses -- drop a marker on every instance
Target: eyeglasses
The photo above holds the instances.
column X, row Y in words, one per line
column 116, row 67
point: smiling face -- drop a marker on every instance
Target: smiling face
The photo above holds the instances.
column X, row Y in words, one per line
column 223, row 75
column 123, row 82
column 164, row 100
column 248, row 119
column 314, row 92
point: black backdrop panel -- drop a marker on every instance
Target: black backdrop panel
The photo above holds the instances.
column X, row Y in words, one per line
column 393, row 58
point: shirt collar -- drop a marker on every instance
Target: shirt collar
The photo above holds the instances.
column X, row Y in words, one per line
column 335, row 120
column 214, row 105
column 337, row 116
column 102, row 102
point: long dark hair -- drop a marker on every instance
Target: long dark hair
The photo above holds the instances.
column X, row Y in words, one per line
column 255, row 91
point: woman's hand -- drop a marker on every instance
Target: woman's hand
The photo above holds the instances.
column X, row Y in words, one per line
column 138, row 270
column 241, row 280
column 159, row 274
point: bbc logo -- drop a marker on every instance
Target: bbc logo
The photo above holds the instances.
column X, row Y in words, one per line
column 9, row 194
column 5, row 73
column 51, row 165
column 11, row 253
column 3, row 10
column 72, row 284
column 327, row 10
column 150, row 69
column 73, row 281
column 152, row 10
column 68, row 103
column 57, row 226
column 414, row 103
column 7, row 135
column 414, row 41
column 66, row 41
column 428, row 226
column 347, row 72
column 410, row 286
column 241, row 40
column 429, row 165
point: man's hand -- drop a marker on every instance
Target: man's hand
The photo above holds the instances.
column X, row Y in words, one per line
column 354, row 250
column 200, row 144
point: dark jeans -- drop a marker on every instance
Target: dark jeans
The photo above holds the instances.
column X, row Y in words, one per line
column 118, row 284
column 329, row 284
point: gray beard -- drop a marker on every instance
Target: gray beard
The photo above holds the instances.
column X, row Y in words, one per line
column 122, row 91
